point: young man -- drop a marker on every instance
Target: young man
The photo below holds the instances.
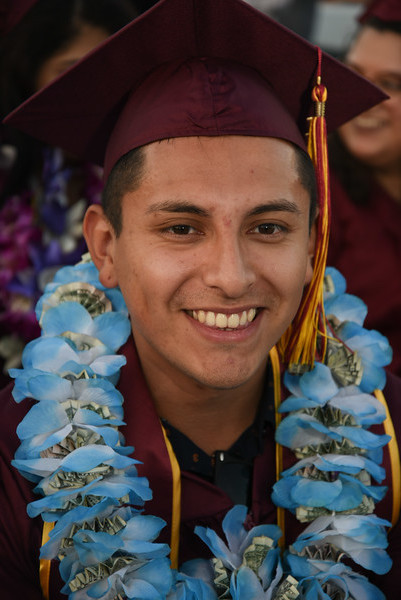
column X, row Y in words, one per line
column 208, row 227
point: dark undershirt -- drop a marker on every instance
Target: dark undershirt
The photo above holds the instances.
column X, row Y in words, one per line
column 230, row 470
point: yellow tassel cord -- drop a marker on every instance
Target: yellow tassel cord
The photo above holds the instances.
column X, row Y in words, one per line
column 298, row 346
column 45, row 563
column 275, row 362
column 176, row 509
column 394, row 459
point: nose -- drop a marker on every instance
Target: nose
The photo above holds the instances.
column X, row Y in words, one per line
column 228, row 266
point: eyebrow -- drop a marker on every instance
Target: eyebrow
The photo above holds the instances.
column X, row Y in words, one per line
column 177, row 207
column 280, row 205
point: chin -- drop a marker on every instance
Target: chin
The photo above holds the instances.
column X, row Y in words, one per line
column 223, row 378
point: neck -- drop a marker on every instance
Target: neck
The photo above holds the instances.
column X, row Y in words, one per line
column 212, row 418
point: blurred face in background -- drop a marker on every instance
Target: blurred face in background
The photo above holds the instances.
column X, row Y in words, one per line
column 374, row 137
column 88, row 37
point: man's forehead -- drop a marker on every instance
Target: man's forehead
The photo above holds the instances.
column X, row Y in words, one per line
column 192, row 174
column 197, row 147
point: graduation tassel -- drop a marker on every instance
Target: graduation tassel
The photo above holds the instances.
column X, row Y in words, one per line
column 299, row 346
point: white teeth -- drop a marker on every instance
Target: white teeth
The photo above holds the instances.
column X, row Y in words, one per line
column 233, row 321
column 210, row 319
column 251, row 314
column 368, row 122
column 223, row 321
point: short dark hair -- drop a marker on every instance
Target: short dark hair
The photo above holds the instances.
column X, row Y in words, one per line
column 381, row 25
column 125, row 176
column 127, row 173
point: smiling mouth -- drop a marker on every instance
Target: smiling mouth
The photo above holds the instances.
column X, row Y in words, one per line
column 368, row 122
column 228, row 322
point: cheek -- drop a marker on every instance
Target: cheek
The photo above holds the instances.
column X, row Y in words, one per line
column 289, row 273
column 149, row 278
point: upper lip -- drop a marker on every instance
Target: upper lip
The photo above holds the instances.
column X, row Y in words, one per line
column 226, row 311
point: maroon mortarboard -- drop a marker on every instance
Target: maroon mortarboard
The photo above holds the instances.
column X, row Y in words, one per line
column 204, row 68
column 385, row 10
column 11, row 13
column 142, row 84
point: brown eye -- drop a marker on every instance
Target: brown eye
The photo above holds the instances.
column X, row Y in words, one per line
column 268, row 228
column 181, row 229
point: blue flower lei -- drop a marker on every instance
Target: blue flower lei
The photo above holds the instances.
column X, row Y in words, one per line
column 72, row 450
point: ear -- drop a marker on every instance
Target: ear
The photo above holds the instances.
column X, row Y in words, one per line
column 100, row 238
column 311, row 252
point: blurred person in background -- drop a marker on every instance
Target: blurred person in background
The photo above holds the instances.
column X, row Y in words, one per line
column 44, row 193
column 366, row 179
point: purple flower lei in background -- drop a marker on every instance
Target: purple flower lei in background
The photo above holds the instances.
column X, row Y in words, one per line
column 40, row 230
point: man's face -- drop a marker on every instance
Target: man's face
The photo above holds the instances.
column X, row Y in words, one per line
column 213, row 256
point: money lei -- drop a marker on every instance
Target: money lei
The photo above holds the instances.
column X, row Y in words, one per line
column 71, row 492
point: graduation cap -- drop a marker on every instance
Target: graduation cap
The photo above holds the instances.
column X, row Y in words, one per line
column 205, row 68
column 385, row 10
column 12, row 11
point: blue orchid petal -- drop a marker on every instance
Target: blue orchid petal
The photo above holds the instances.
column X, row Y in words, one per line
column 346, row 308
column 49, row 386
column 108, row 365
column 365, row 408
column 117, row 299
column 113, row 329
column 245, row 585
column 144, row 527
column 43, row 417
column 67, row 316
column 93, row 547
column 281, row 495
column 157, row 572
column 299, row 566
column 374, row 491
column 296, row 403
column 360, row 587
column 361, row 437
column 292, row 383
column 87, row 457
column 189, row 588
column 270, row 571
column 296, row 431
column 199, row 568
column 318, row 384
column 233, row 526
column 373, row 378
column 309, row 492
column 351, row 464
column 351, row 497
column 217, row 546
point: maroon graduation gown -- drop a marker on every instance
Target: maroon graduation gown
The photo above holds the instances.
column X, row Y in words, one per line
column 202, row 503
column 365, row 246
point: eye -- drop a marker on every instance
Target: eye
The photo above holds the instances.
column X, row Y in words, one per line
column 390, row 85
column 180, row 229
column 268, row 229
